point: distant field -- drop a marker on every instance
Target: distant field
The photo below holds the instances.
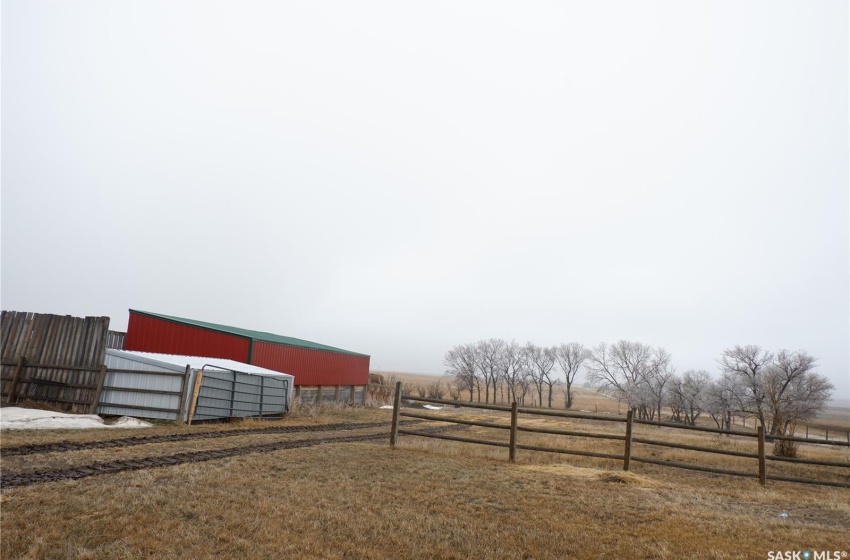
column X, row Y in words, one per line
column 836, row 416
column 424, row 499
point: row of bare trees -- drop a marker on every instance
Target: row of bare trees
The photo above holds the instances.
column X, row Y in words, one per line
column 778, row 389
column 492, row 367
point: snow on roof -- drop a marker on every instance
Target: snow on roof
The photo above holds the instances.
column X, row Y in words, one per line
column 178, row 363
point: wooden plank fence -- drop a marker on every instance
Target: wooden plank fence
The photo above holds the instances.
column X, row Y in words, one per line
column 115, row 340
column 628, row 439
column 53, row 358
column 326, row 394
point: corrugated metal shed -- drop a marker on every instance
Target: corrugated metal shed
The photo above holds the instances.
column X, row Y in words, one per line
column 313, row 364
column 227, row 388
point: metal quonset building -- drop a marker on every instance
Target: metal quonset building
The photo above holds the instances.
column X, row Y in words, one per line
column 312, row 364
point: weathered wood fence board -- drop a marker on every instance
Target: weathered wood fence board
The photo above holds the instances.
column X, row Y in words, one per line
column 52, row 358
column 115, row 340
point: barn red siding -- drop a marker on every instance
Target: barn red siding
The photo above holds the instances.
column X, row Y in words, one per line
column 150, row 334
column 312, row 367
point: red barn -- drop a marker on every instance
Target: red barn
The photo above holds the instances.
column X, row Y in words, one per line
column 312, row 364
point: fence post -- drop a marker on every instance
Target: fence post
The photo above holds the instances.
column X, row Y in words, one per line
column 627, row 452
column 396, row 404
column 232, row 393
column 181, row 406
column 195, row 391
column 512, row 448
column 101, row 376
column 762, row 467
column 12, row 396
column 807, row 432
column 262, row 393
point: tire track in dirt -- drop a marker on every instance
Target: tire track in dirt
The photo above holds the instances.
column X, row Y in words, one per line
column 12, row 481
column 63, row 446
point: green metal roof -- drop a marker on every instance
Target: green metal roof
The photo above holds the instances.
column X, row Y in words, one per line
column 249, row 334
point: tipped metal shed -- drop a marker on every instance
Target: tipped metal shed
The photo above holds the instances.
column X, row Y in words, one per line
column 163, row 386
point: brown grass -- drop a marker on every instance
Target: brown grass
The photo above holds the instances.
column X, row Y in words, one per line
column 672, row 435
column 322, row 414
column 424, row 499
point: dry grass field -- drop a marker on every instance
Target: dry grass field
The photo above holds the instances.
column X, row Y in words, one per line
column 425, row 499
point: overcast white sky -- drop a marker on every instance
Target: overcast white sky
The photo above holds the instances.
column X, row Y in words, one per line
column 396, row 178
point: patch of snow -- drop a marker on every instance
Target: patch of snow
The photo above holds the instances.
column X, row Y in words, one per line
column 432, row 407
column 388, row 406
column 129, row 422
column 16, row 418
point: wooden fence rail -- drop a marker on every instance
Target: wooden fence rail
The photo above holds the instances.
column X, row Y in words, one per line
column 78, row 397
column 626, row 457
column 91, row 405
column 617, row 418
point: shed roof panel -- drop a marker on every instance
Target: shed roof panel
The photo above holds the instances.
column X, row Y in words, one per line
column 171, row 362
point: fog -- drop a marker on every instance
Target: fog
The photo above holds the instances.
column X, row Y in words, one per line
column 395, row 179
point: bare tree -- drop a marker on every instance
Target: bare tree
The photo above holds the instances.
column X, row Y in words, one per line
column 540, row 363
column 686, row 396
column 454, row 391
column 460, row 364
column 793, row 393
column 436, row 390
column 654, row 384
column 747, row 365
column 511, row 363
column 675, row 399
column 633, row 370
column 570, row 357
column 720, row 400
column 523, row 381
column 488, row 355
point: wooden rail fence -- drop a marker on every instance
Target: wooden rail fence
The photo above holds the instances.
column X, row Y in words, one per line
column 628, row 439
